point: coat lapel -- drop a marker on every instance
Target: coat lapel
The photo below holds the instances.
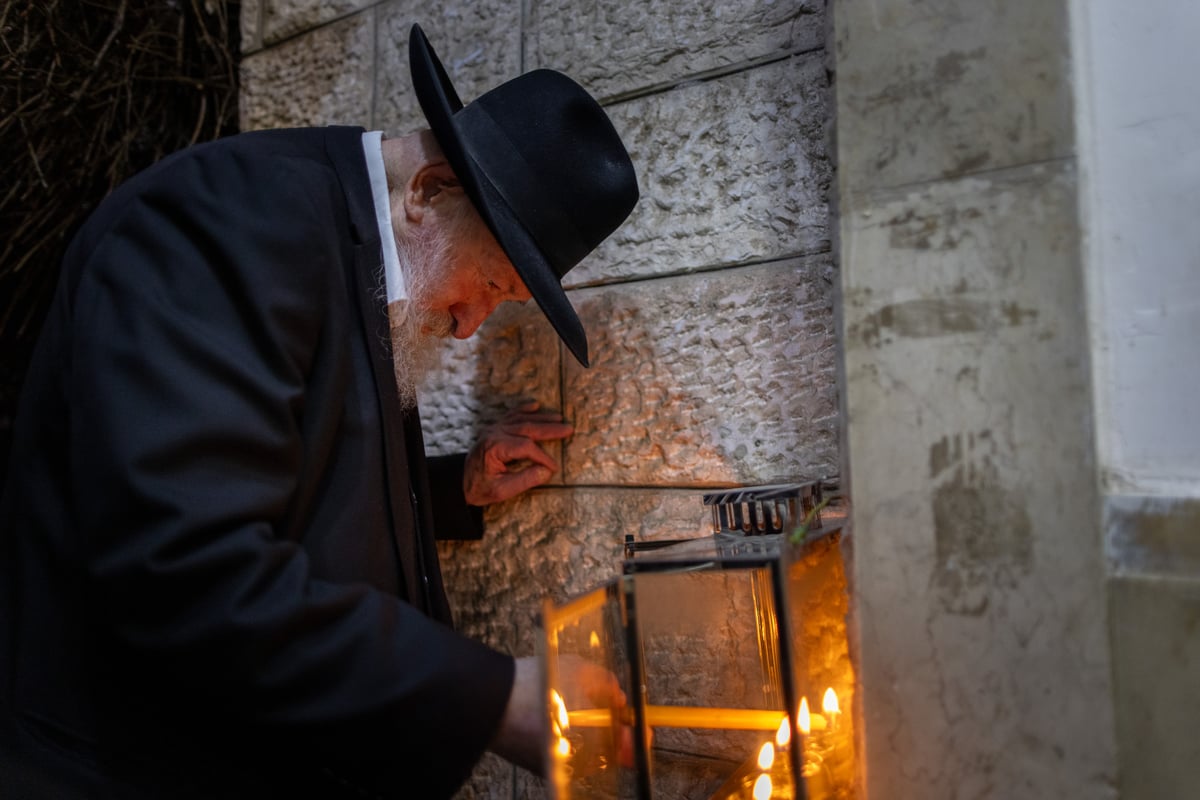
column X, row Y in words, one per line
column 401, row 459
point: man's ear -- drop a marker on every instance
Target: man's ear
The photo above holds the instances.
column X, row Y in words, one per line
column 428, row 186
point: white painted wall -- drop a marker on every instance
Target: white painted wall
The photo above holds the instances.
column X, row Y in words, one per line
column 1138, row 112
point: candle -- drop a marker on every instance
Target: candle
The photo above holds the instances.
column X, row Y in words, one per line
column 741, row 719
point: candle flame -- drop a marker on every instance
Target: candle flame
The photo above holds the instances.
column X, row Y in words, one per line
column 594, row 640
column 762, row 787
column 559, row 724
column 766, row 756
column 829, row 703
column 784, row 734
column 561, row 720
column 803, row 719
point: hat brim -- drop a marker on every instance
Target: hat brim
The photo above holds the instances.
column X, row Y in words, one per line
column 440, row 102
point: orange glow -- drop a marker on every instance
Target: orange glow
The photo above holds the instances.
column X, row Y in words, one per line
column 803, row 718
column 784, row 734
column 562, row 747
column 829, row 703
column 594, row 640
column 762, row 787
column 766, row 756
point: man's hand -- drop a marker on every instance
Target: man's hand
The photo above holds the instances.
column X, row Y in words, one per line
column 508, row 460
column 524, row 728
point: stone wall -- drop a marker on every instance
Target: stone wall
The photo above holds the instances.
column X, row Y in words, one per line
column 710, row 313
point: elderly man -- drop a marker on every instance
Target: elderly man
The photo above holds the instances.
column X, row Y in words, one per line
column 217, row 565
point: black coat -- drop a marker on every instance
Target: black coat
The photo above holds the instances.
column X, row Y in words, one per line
column 217, row 568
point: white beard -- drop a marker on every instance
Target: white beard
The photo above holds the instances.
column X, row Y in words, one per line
column 425, row 257
column 415, row 335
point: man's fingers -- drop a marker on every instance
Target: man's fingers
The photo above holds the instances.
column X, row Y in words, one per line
column 515, row 448
column 541, row 431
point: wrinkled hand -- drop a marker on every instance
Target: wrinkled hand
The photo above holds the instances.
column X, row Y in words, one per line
column 508, row 460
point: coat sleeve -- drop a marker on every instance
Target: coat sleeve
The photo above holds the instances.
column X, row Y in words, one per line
column 196, row 317
column 453, row 517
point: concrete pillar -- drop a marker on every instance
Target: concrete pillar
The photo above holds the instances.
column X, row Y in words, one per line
column 979, row 583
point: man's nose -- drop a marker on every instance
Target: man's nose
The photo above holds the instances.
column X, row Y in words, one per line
column 469, row 316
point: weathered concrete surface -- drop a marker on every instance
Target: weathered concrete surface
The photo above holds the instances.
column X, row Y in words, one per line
column 614, row 47
column 931, row 90
column 1156, row 664
column 1153, row 535
column 731, row 170
column 478, row 44
column 322, row 77
column 977, row 570
column 710, row 379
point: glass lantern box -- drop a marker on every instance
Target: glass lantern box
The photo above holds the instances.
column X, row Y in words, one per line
column 731, row 653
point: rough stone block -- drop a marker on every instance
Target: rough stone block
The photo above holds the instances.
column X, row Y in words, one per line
column 477, row 42
column 1156, row 653
column 968, row 396
column 718, row 378
column 513, row 357
column 553, row 543
column 615, row 47
column 926, row 91
column 530, row 787
column 283, row 18
column 492, row 779
column 250, row 19
column 320, row 78
column 731, row 171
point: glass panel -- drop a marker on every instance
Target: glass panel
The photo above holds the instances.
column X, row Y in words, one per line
column 710, row 650
column 818, row 607
column 588, row 740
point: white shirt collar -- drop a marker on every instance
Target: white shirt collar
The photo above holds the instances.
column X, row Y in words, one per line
column 372, row 142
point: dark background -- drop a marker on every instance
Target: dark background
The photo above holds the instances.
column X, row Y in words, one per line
column 90, row 93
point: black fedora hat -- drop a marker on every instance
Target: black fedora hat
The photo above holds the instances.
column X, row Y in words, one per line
column 542, row 164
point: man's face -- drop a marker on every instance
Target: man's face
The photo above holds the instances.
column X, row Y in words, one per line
column 472, row 277
column 457, row 275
